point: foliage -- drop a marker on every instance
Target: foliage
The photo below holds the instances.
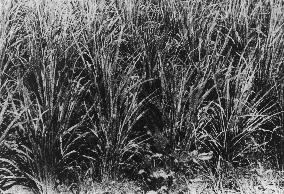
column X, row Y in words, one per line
column 97, row 89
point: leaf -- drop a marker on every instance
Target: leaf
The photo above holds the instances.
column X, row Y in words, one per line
column 142, row 171
column 205, row 156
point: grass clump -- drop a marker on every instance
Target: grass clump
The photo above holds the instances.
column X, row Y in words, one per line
column 156, row 92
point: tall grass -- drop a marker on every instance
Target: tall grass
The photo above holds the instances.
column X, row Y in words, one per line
column 90, row 89
column 49, row 90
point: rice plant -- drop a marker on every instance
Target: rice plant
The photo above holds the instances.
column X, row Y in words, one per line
column 105, row 90
column 49, row 90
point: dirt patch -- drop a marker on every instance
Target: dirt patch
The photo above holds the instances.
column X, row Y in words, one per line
column 18, row 190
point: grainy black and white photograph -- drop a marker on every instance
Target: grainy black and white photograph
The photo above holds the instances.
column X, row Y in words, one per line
column 141, row 97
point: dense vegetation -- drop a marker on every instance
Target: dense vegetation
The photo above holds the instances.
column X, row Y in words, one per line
column 106, row 90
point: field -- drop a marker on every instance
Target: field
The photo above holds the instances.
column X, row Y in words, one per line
column 136, row 96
